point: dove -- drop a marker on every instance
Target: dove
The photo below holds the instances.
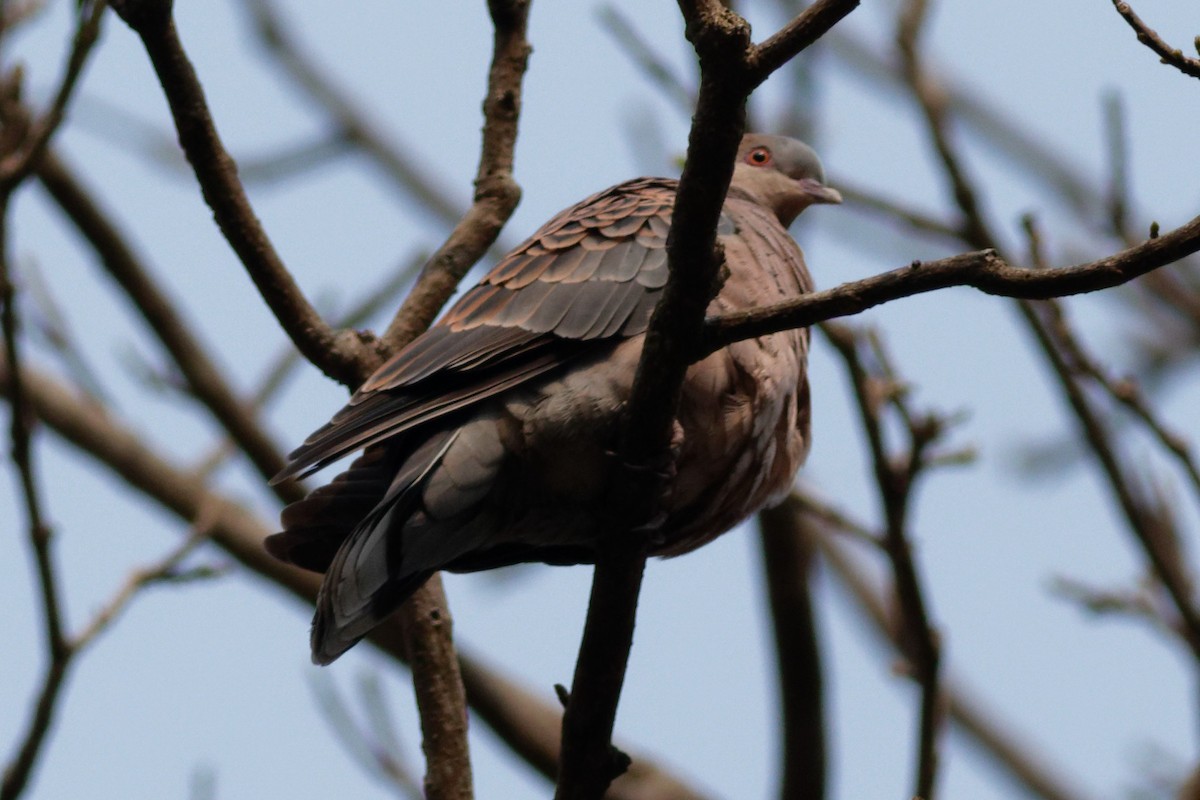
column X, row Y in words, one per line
column 488, row 440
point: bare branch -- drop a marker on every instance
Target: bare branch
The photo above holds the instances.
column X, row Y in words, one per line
column 496, row 192
column 502, row 704
column 341, row 356
column 164, row 570
column 730, row 68
column 17, row 771
column 808, row 26
column 1149, row 37
column 895, row 477
column 983, row 270
column 1150, row 523
column 205, row 379
column 788, row 552
column 16, row 165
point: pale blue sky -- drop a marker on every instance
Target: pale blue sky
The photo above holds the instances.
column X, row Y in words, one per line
column 215, row 677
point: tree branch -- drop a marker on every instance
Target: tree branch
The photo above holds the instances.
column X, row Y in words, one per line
column 341, row 356
column 167, row 321
column 496, row 193
column 808, row 26
column 1149, row 37
column 788, row 554
column 729, row 71
column 1009, row 752
column 983, row 270
column 503, row 705
column 895, row 478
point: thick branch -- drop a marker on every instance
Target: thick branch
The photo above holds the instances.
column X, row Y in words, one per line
column 340, row 356
column 983, row 270
column 727, row 76
column 588, row 761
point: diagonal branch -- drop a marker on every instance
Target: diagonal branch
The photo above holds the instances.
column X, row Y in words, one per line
column 808, row 26
column 341, row 356
column 1149, row 37
column 205, row 379
column 496, row 192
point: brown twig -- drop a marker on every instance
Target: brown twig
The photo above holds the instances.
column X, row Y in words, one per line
column 895, row 478
column 16, row 772
column 910, row 25
column 341, row 356
column 496, row 192
column 17, row 164
column 808, row 26
column 983, row 270
column 1150, row 523
column 1149, row 37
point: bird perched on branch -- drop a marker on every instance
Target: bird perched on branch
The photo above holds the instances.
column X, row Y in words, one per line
column 488, row 440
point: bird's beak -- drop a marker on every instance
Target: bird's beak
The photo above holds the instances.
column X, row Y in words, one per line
column 817, row 192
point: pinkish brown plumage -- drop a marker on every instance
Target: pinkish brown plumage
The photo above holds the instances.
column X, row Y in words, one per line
column 487, row 440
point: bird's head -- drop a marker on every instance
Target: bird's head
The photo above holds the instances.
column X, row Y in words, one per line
column 782, row 174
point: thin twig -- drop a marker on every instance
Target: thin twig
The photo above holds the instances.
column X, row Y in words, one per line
column 1149, row 37
column 17, row 771
column 1152, row 527
column 895, row 476
column 165, row 569
column 16, row 165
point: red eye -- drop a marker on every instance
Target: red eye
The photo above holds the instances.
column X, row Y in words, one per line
column 759, row 156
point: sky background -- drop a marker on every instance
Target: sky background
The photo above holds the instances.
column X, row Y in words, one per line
column 211, row 682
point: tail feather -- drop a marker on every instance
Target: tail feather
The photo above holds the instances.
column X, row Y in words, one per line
column 315, row 526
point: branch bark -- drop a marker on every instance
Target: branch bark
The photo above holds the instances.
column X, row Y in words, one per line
column 504, row 706
column 341, row 356
column 730, row 68
column 983, row 270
